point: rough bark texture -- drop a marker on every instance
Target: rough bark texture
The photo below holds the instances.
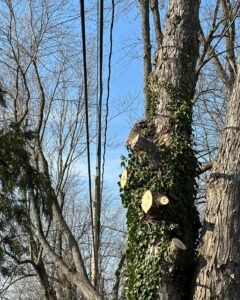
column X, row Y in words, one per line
column 175, row 72
column 218, row 275
column 177, row 56
column 149, row 273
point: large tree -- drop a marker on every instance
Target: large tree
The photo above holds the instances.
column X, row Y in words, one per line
column 162, row 165
column 218, row 273
column 158, row 183
column 43, row 135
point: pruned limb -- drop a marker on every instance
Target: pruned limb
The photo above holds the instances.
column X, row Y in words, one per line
column 151, row 201
column 174, row 262
column 165, row 139
column 123, row 179
column 176, row 253
column 139, row 143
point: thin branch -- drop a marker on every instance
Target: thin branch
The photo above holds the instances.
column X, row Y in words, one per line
column 211, row 55
column 230, row 38
column 144, row 5
column 157, row 23
column 206, row 167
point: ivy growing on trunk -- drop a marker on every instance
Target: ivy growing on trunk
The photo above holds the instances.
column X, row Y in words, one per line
column 149, row 236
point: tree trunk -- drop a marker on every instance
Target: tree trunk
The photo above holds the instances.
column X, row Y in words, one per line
column 157, row 23
column 78, row 276
column 144, row 5
column 49, row 291
column 152, row 272
column 218, row 274
column 175, row 70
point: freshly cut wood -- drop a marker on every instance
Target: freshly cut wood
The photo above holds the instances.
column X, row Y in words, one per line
column 123, row 179
column 152, row 201
column 139, row 143
column 165, row 139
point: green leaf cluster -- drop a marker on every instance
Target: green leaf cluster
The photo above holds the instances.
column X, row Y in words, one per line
column 17, row 177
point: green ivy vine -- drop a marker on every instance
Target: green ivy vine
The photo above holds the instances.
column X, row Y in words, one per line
column 175, row 178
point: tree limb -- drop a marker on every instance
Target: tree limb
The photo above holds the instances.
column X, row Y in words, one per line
column 206, row 167
column 157, row 23
column 144, row 5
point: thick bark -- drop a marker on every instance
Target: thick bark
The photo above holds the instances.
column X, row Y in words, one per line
column 218, row 275
column 169, row 131
column 175, row 73
column 177, row 59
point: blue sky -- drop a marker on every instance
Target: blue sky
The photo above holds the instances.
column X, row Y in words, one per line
column 126, row 97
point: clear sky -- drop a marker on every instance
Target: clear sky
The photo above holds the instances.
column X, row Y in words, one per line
column 127, row 82
column 126, row 97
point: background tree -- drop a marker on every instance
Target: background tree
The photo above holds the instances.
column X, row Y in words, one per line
column 45, row 218
column 218, row 272
column 161, row 155
column 43, row 131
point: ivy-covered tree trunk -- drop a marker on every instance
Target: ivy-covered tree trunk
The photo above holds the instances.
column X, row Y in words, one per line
column 219, row 261
column 158, row 185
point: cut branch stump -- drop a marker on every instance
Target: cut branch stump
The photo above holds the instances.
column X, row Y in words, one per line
column 124, row 178
column 139, row 144
column 151, row 201
column 176, row 254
